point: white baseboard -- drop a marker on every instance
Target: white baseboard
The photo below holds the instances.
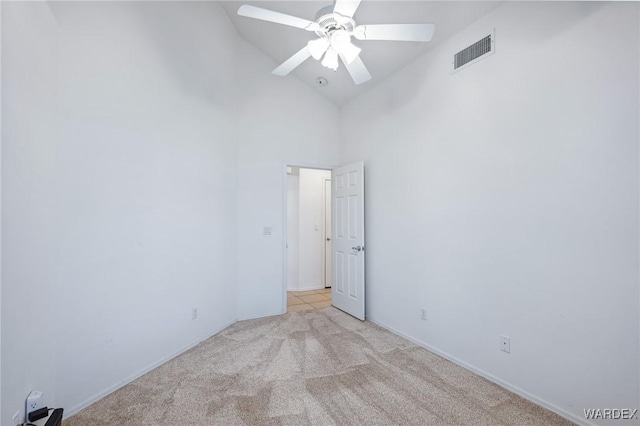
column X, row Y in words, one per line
column 260, row 316
column 84, row 404
column 306, row 288
column 512, row 388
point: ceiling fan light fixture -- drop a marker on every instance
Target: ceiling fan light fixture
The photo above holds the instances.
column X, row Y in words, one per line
column 318, row 47
column 341, row 42
column 330, row 59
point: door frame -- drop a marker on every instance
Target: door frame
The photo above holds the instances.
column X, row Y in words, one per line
column 324, row 229
column 285, row 218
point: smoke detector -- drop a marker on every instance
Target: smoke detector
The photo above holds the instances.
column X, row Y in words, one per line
column 322, row 82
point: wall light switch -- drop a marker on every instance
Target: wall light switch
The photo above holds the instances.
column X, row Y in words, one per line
column 266, row 230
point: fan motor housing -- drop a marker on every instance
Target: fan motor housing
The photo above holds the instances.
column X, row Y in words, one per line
column 330, row 22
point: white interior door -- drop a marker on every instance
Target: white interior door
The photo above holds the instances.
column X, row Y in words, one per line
column 347, row 292
column 327, row 233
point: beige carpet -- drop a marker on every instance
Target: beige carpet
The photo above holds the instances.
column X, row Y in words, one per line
column 318, row 367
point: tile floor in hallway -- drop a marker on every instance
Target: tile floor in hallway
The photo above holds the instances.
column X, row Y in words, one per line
column 307, row 300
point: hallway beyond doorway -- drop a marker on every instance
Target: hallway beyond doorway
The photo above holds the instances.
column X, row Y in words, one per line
column 307, row 300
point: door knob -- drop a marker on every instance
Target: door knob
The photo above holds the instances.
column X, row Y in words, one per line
column 357, row 248
column 328, row 239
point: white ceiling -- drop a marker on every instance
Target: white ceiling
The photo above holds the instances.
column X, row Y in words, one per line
column 382, row 58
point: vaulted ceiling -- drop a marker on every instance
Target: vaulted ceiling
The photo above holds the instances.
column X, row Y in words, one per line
column 382, row 58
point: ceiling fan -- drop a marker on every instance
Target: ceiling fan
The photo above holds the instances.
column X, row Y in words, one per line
column 335, row 26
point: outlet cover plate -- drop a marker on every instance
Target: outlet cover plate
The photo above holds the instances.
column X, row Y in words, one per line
column 423, row 314
column 505, row 344
column 34, row 402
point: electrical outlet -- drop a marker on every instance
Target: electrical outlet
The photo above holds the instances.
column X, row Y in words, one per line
column 505, row 344
column 194, row 313
column 34, row 402
column 423, row 314
column 15, row 420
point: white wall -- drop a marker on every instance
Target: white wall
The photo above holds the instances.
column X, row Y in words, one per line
column 280, row 121
column 504, row 199
column 119, row 187
column 0, row 211
column 29, row 200
column 311, row 232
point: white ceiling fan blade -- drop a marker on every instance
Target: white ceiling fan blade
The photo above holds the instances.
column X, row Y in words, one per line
column 395, row 32
column 346, row 7
column 277, row 17
column 357, row 70
column 287, row 66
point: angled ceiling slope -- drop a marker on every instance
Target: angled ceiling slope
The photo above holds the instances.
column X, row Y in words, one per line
column 383, row 58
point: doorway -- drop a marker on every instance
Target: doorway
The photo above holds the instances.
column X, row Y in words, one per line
column 308, row 238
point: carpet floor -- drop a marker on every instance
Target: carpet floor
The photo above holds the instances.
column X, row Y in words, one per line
column 318, row 367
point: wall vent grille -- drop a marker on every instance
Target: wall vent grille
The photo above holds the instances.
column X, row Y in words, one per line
column 472, row 52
